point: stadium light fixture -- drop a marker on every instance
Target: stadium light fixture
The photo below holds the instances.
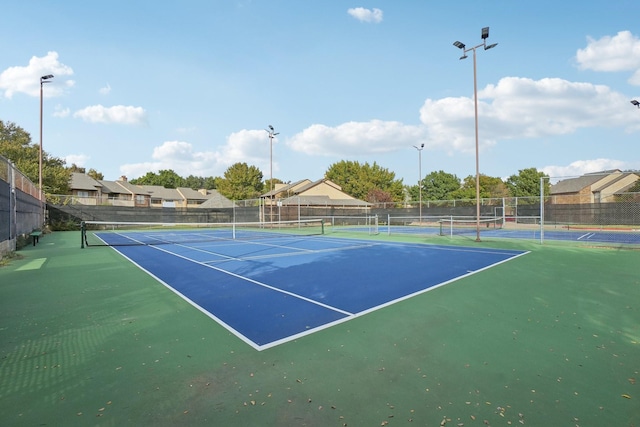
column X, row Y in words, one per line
column 272, row 133
column 484, row 35
column 636, row 103
column 43, row 80
column 420, row 179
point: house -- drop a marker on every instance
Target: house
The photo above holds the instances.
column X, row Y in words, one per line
column 322, row 192
column 598, row 187
column 88, row 191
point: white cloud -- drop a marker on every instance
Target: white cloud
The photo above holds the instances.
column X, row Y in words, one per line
column 610, row 54
column 76, row 159
column 105, row 90
column 581, row 167
column 519, row 108
column 356, row 138
column 618, row 53
column 26, row 80
column 366, row 15
column 247, row 146
column 175, row 155
column 120, row 114
column 513, row 109
column 61, row 112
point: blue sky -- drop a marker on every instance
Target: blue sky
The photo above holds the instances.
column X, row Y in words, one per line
column 192, row 85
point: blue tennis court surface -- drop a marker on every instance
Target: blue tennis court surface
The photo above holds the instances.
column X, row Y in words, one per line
column 577, row 235
column 270, row 291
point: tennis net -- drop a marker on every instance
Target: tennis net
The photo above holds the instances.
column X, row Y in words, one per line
column 104, row 233
column 450, row 226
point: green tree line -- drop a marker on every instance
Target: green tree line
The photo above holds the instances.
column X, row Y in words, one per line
column 364, row 181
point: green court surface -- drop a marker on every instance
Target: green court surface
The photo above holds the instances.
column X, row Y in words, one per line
column 547, row 339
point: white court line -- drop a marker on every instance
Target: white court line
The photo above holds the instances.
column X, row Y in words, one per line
column 348, row 315
column 256, row 282
column 586, row 236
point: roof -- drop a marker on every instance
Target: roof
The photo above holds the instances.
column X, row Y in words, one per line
column 160, row 192
column 112, row 187
column 81, row 181
column 216, row 200
column 322, row 201
column 284, row 189
column 132, row 188
column 191, row 194
column 574, row 185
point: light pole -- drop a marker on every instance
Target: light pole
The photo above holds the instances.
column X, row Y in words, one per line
column 43, row 79
column 636, row 103
column 271, row 131
column 484, row 35
column 420, row 178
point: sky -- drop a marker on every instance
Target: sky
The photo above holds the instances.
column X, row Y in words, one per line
column 193, row 85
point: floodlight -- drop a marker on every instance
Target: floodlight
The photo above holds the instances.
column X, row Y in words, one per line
column 636, row 103
column 485, row 35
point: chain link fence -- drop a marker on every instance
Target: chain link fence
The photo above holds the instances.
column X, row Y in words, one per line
column 587, row 210
column 21, row 210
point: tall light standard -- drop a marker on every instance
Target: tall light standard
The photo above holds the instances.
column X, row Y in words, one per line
column 43, row 79
column 420, row 178
column 636, row 103
column 271, row 131
column 484, row 35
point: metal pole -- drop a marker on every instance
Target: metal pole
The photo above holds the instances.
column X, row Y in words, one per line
column 40, row 148
column 43, row 79
column 271, row 176
column 475, row 102
column 420, row 181
column 272, row 133
column 459, row 45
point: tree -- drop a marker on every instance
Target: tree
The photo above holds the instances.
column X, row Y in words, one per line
column 166, row 178
column 15, row 145
column 358, row 180
column 490, row 187
column 241, row 182
column 77, row 169
column 198, row 182
column 527, row 183
column 95, row 174
column 268, row 184
column 376, row 195
column 436, row 186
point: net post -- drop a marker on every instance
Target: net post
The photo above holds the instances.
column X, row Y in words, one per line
column 451, row 227
column 82, row 234
column 322, row 226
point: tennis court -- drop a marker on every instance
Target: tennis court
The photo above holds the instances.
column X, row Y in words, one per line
column 496, row 228
column 272, row 284
column 550, row 338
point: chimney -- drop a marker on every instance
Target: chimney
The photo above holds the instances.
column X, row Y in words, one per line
column 123, row 178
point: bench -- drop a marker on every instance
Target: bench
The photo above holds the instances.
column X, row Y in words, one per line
column 35, row 236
